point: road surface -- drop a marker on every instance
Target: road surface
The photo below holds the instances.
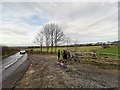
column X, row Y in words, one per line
column 13, row 68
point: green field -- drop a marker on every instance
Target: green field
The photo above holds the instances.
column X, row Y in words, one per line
column 109, row 59
column 113, row 50
column 82, row 48
column 98, row 49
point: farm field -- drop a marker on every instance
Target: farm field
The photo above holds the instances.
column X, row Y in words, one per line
column 98, row 49
column 113, row 50
column 108, row 55
column 106, row 58
column 82, row 48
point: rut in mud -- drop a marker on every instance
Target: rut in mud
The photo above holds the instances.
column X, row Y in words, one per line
column 45, row 73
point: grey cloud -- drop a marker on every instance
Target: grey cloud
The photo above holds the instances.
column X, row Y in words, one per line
column 10, row 31
column 86, row 22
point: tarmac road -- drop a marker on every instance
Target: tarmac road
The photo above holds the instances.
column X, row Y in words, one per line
column 13, row 68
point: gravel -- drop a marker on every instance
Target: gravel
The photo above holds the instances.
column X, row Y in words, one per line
column 44, row 72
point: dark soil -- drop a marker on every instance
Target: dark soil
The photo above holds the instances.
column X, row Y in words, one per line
column 44, row 72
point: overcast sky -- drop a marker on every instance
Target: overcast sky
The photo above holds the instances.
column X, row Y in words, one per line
column 82, row 21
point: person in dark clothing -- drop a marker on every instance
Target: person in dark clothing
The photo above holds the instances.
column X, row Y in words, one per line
column 64, row 56
column 58, row 55
column 68, row 55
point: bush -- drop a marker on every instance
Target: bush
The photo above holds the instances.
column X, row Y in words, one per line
column 105, row 46
column 7, row 51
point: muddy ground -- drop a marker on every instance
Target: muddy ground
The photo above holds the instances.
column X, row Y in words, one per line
column 44, row 72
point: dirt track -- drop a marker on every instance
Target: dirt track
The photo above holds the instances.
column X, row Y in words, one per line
column 45, row 73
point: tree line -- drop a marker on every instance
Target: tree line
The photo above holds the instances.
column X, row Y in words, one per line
column 51, row 35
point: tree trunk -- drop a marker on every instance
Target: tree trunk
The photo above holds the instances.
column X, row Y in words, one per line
column 51, row 48
column 41, row 48
column 55, row 48
column 47, row 49
column 52, row 45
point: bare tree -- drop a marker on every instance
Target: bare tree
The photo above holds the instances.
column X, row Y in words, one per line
column 52, row 31
column 39, row 40
column 68, row 40
column 59, row 36
column 46, row 33
column 75, row 44
column 53, row 35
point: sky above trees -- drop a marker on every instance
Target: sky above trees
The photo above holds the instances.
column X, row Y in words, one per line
column 82, row 21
